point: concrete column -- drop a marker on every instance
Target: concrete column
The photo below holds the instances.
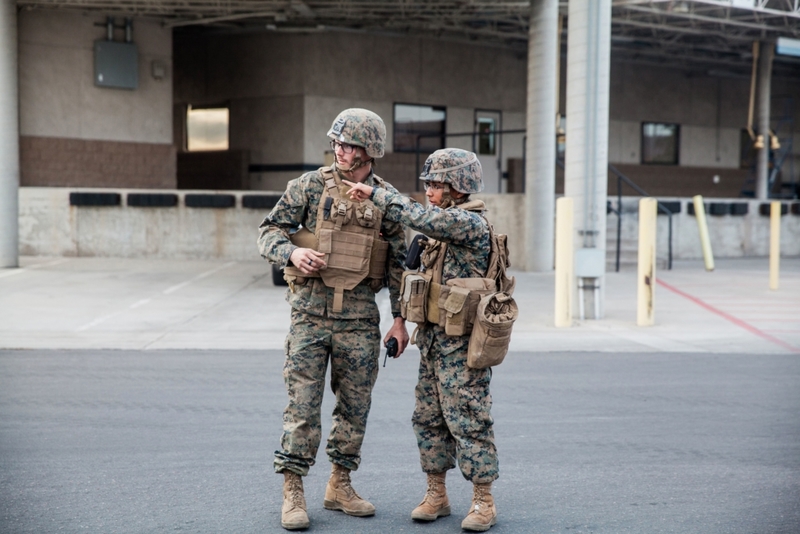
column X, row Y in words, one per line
column 540, row 148
column 764, row 97
column 9, row 137
column 586, row 165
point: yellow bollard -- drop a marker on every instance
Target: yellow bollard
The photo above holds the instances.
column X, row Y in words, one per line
column 565, row 262
column 646, row 285
column 702, row 226
column 774, row 244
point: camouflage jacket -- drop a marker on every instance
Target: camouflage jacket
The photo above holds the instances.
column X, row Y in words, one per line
column 465, row 232
column 468, row 246
column 298, row 206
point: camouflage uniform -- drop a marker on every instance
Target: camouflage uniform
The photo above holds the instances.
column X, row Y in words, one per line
column 351, row 337
column 452, row 419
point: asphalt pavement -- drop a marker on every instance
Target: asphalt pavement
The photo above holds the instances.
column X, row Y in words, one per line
column 146, row 396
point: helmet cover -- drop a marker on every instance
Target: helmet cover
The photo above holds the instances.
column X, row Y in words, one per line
column 454, row 166
column 360, row 127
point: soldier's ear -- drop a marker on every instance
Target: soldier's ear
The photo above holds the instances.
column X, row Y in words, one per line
column 455, row 194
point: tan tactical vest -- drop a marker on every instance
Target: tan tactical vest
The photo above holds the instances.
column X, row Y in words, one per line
column 349, row 234
column 453, row 305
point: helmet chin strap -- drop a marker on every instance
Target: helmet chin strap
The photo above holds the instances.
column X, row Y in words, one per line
column 357, row 164
column 447, row 201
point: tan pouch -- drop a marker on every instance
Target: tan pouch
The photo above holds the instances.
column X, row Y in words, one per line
column 377, row 261
column 456, row 308
column 491, row 334
column 413, row 296
column 461, row 321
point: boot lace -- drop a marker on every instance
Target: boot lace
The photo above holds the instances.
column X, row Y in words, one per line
column 295, row 491
column 479, row 499
column 346, row 485
column 433, row 488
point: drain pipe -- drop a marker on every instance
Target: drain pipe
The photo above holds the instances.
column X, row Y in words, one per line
column 764, row 94
column 9, row 137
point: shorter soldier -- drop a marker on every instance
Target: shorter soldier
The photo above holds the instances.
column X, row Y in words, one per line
column 452, row 419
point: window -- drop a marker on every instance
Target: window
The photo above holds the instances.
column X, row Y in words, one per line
column 486, row 129
column 660, row 143
column 412, row 120
column 207, row 129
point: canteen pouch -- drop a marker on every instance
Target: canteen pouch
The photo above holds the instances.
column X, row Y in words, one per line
column 456, row 311
column 491, row 334
column 413, row 296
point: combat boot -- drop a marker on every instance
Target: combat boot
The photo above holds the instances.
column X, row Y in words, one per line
column 340, row 495
column 293, row 512
column 435, row 504
column 483, row 513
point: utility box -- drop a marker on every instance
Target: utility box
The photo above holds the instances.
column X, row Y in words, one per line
column 116, row 65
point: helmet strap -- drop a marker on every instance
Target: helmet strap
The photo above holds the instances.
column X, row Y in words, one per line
column 357, row 164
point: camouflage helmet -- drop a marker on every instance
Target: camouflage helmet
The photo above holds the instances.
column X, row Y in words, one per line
column 360, row 127
column 456, row 167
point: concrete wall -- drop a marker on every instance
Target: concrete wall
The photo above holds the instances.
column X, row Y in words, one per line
column 49, row 226
column 284, row 90
column 731, row 236
column 63, row 115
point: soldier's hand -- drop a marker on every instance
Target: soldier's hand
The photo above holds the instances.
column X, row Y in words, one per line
column 399, row 332
column 358, row 191
column 308, row 260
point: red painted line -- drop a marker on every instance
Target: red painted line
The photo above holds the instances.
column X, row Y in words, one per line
column 738, row 322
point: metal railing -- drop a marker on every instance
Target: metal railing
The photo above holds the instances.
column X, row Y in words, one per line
column 622, row 178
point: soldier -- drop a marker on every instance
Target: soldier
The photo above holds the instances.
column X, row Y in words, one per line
column 334, row 266
column 452, row 419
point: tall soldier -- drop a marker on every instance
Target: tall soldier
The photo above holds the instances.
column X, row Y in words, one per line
column 334, row 265
column 452, row 419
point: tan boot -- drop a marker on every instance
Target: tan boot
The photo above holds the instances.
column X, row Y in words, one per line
column 483, row 513
column 435, row 504
column 340, row 495
column 293, row 512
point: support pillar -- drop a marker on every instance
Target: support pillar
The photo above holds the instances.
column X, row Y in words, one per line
column 764, row 97
column 586, row 165
column 9, row 137
column 540, row 148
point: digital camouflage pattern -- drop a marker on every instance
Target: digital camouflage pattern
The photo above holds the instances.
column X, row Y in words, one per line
column 354, row 348
column 298, row 206
column 459, row 168
column 360, row 127
column 452, row 418
column 350, row 339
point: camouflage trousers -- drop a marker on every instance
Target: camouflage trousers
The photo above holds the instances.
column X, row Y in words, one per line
column 352, row 346
column 452, row 417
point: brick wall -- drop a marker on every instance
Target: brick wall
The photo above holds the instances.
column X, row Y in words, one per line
column 63, row 162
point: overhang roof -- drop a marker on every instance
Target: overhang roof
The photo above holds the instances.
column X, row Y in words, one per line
column 709, row 35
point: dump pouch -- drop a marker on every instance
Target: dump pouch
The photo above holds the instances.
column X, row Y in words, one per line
column 413, row 296
column 491, row 334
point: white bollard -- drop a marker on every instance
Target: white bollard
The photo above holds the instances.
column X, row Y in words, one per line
column 646, row 279
column 774, row 244
column 702, row 226
column 565, row 263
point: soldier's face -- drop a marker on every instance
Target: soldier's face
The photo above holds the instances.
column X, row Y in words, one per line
column 345, row 160
column 434, row 191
